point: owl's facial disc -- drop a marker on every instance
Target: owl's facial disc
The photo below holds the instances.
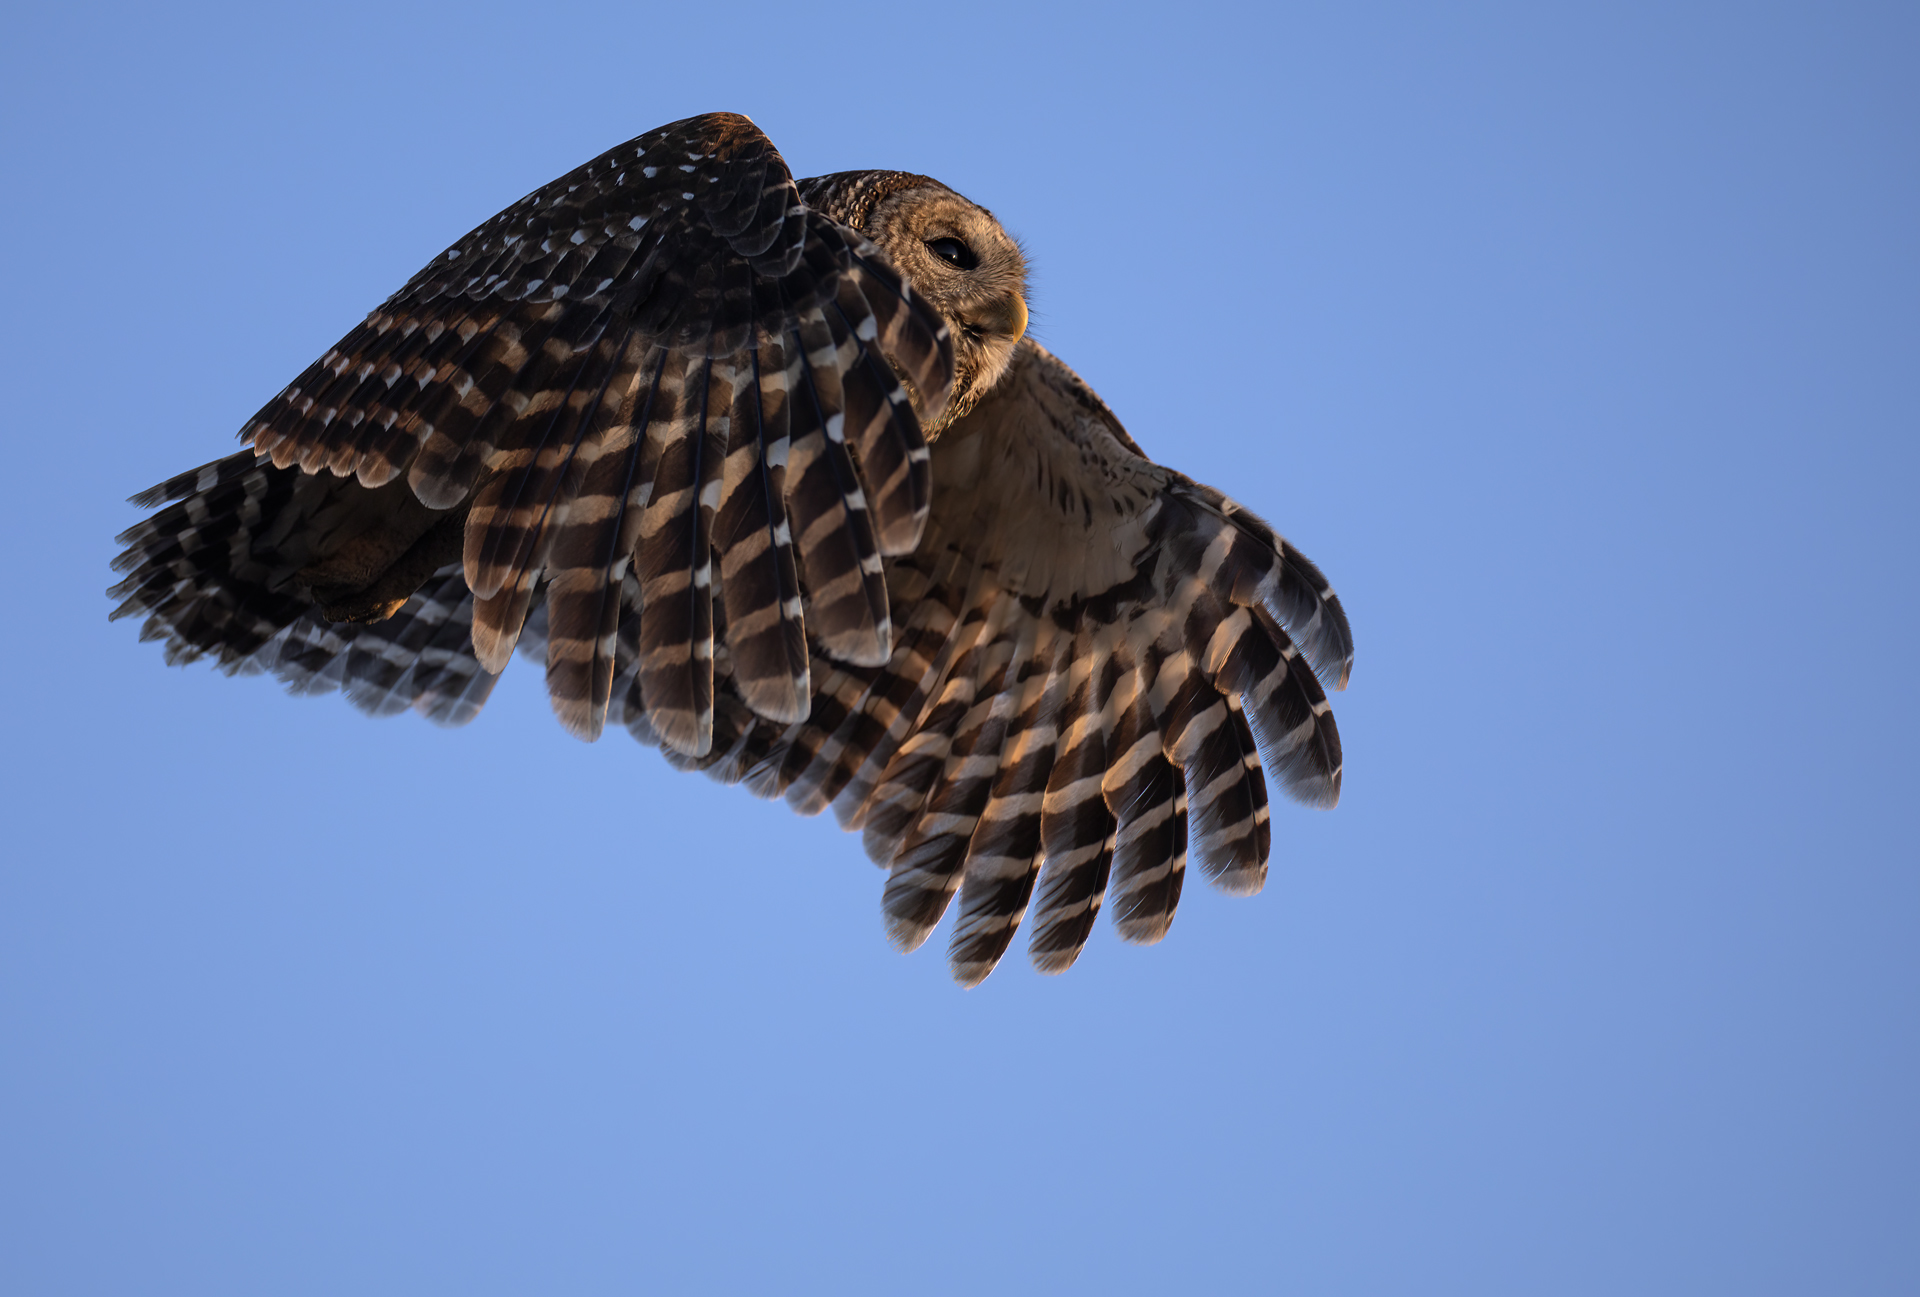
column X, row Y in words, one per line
column 968, row 268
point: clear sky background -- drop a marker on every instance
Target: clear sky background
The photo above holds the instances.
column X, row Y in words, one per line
column 1580, row 345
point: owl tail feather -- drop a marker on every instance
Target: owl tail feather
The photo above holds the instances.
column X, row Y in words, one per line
column 318, row 579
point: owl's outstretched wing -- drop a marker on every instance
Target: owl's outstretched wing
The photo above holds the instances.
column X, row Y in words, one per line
column 1092, row 658
column 1095, row 657
column 661, row 370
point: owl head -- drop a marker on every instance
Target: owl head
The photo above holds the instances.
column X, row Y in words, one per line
column 959, row 258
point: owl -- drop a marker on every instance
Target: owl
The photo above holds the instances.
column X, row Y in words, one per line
column 769, row 474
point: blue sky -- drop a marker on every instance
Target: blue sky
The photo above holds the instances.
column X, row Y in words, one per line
column 1578, row 344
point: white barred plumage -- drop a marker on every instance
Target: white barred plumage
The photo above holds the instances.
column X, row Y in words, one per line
column 769, row 473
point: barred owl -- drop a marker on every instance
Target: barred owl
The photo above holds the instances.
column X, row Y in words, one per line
column 769, row 473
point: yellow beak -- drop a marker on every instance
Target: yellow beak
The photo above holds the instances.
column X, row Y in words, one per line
column 1016, row 324
column 1006, row 318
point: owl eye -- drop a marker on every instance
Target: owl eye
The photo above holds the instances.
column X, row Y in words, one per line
column 954, row 252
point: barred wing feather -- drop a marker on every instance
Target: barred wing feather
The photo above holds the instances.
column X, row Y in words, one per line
column 1091, row 667
column 662, row 342
column 1100, row 663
